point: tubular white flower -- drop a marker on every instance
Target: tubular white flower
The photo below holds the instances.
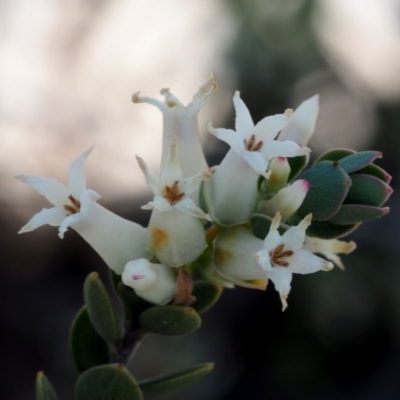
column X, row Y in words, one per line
column 232, row 192
column 329, row 248
column 255, row 143
column 175, row 234
column 234, row 261
column 181, row 121
column 155, row 283
column 287, row 200
column 281, row 256
column 115, row 239
column 301, row 124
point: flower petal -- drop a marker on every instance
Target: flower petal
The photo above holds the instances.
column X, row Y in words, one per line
column 281, row 277
column 273, row 239
column 304, row 262
column 233, row 138
column 172, row 171
column 77, row 180
column 67, row 222
column 294, row 237
column 51, row 216
column 256, row 161
column 268, row 128
column 301, row 125
column 274, row 148
column 243, row 122
column 151, row 180
column 54, row 191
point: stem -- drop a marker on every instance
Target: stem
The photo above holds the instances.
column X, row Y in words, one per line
column 128, row 346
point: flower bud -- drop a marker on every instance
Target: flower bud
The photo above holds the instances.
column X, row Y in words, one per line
column 155, row 283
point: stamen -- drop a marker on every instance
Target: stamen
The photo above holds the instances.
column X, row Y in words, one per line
column 75, row 206
column 278, row 254
column 173, row 193
column 251, row 144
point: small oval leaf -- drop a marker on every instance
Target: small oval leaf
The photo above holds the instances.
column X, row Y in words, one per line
column 87, row 347
column 334, row 155
column 367, row 190
column 44, row 389
column 107, row 382
column 378, row 172
column 355, row 213
column 99, row 308
column 170, row 320
column 177, row 380
column 357, row 161
column 206, row 295
column 329, row 185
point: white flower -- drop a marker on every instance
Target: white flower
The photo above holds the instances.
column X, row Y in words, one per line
column 301, row 124
column 155, row 283
column 181, row 121
column 329, row 248
column 231, row 194
column 281, row 256
column 255, row 143
column 115, row 239
column 175, row 234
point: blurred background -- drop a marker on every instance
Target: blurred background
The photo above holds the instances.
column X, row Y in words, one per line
column 67, row 71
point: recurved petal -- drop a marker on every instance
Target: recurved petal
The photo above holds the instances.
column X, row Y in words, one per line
column 243, row 123
column 189, row 206
column 67, row 222
column 54, row 191
column 51, row 216
column 77, row 180
column 304, row 262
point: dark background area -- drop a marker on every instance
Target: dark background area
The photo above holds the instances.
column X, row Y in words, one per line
column 339, row 337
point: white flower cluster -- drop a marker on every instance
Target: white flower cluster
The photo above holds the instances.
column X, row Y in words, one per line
column 176, row 235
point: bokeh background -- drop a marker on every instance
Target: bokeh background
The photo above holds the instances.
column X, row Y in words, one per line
column 67, row 71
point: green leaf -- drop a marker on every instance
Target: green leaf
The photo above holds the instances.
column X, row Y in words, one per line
column 376, row 171
column 206, row 295
column 44, row 389
column 297, row 165
column 357, row 161
column 99, row 308
column 368, row 190
column 170, row 320
column 355, row 213
column 327, row 230
column 107, row 382
column 329, row 185
column 334, row 155
column 177, row 380
column 87, row 347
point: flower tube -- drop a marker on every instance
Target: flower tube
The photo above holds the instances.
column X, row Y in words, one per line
column 115, row 239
